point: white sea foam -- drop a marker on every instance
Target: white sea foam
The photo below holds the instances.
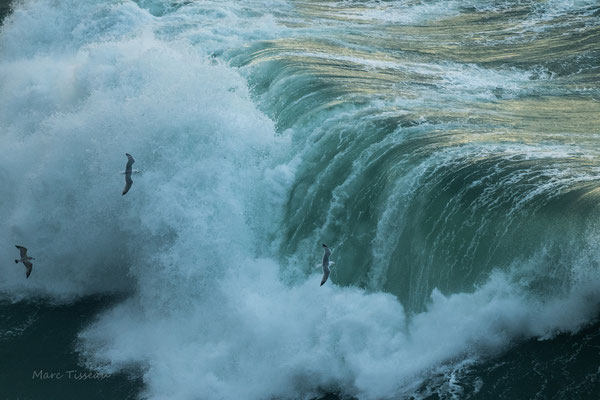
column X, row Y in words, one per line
column 258, row 338
column 405, row 12
column 69, row 114
column 416, row 12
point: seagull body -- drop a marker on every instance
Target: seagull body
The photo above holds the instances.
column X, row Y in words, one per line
column 326, row 264
column 128, row 171
column 25, row 260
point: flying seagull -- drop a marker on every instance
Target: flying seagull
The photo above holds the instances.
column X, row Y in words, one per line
column 128, row 180
column 25, row 260
column 326, row 264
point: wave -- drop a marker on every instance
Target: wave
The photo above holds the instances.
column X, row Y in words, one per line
column 444, row 229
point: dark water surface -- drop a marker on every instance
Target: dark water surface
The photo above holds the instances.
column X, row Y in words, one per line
column 38, row 349
column 4, row 8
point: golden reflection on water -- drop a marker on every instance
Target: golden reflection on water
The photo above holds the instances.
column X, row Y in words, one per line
column 410, row 65
column 549, row 115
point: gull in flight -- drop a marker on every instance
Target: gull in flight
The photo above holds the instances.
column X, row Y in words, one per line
column 128, row 172
column 326, row 264
column 25, row 260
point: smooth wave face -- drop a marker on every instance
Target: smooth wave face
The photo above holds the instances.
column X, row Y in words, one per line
column 446, row 151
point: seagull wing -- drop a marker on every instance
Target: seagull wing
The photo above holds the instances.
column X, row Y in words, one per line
column 130, row 161
column 128, row 183
column 326, row 257
column 22, row 250
column 128, row 180
column 325, row 274
column 28, row 267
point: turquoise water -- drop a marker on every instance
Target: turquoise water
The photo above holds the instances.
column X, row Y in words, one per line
column 446, row 151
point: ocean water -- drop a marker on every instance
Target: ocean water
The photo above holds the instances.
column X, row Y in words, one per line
column 447, row 151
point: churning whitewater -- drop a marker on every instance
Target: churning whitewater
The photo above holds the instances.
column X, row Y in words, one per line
column 446, row 151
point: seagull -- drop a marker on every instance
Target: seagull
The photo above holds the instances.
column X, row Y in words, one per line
column 326, row 264
column 128, row 180
column 25, row 260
